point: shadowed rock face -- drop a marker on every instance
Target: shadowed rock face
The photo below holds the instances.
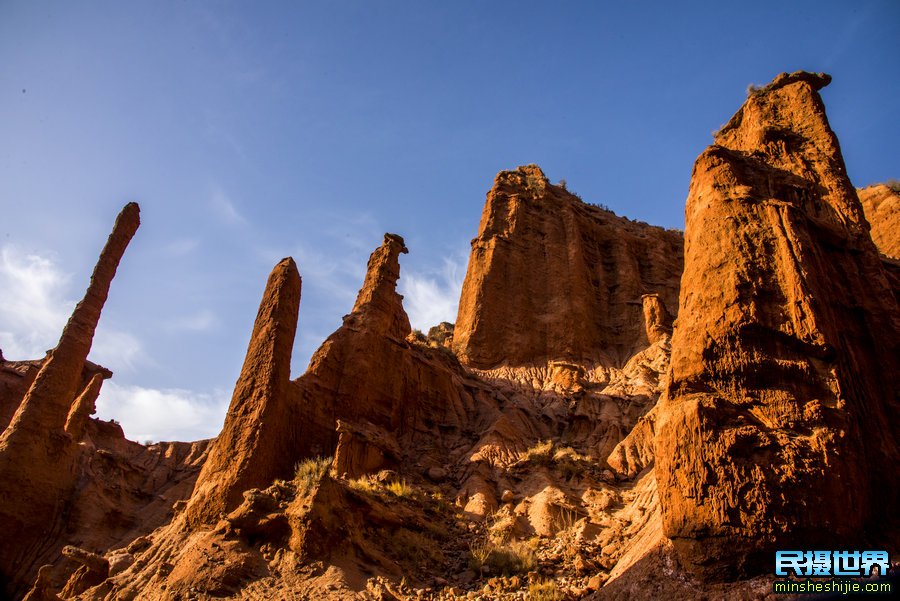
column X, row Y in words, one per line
column 553, row 278
column 255, row 445
column 785, row 355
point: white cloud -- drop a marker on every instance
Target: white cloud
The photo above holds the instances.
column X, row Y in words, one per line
column 430, row 299
column 33, row 306
column 163, row 414
column 114, row 348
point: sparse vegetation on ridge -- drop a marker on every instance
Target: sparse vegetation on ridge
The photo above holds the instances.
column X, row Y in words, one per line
column 309, row 472
column 893, row 184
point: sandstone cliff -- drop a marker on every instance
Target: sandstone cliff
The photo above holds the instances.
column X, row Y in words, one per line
column 393, row 411
column 784, row 365
column 553, row 278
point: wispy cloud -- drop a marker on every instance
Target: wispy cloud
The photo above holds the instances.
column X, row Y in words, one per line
column 117, row 349
column 224, row 207
column 35, row 306
column 430, row 298
column 181, row 247
column 170, row 414
column 201, row 321
column 336, row 277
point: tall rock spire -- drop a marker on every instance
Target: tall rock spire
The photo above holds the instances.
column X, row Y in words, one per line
column 255, row 445
column 775, row 429
column 378, row 305
column 36, row 452
column 46, row 404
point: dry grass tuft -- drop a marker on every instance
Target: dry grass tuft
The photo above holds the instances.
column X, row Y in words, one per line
column 309, row 472
column 510, row 558
column 400, row 488
column 544, row 590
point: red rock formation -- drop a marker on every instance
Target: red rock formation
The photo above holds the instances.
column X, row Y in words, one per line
column 378, row 304
column 553, row 278
column 36, row 455
column 83, row 407
column 881, row 204
column 47, row 403
column 785, row 354
column 255, row 445
column 368, row 371
column 66, row 477
column 657, row 321
column 16, row 378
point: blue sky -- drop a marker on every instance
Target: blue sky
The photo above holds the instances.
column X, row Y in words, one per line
column 253, row 131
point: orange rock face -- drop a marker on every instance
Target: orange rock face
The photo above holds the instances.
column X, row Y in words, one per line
column 553, row 278
column 881, row 204
column 368, row 374
column 564, row 424
column 785, row 354
column 256, row 443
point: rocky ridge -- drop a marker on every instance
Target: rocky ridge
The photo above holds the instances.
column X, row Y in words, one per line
column 512, row 455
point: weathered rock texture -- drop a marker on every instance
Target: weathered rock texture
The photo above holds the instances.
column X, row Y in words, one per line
column 378, row 396
column 549, row 413
column 881, row 204
column 64, row 476
column 368, row 371
column 553, row 278
column 256, row 442
column 782, row 393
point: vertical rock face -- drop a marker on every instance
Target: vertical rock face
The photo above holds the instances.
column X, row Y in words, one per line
column 255, row 445
column 657, row 321
column 881, row 204
column 553, row 278
column 774, row 429
column 37, row 455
